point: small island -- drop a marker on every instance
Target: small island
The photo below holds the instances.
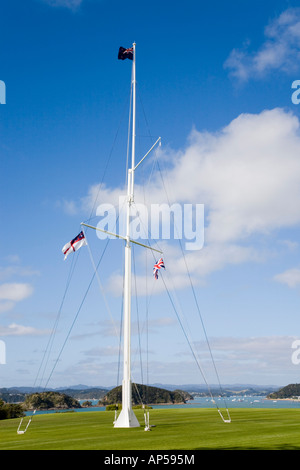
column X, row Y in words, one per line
column 50, row 401
column 145, row 394
column 289, row 392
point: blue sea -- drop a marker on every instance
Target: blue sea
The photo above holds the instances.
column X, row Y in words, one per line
column 204, row 402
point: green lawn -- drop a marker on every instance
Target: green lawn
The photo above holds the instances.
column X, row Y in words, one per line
column 182, row 429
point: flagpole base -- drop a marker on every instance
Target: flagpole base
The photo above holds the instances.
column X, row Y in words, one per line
column 126, row 419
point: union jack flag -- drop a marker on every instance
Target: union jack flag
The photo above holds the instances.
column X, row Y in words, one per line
column 158, row 265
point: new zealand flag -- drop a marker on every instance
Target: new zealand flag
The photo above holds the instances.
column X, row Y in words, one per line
column 125, row 53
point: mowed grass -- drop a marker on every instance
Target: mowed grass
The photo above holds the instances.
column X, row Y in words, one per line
column 177, row 429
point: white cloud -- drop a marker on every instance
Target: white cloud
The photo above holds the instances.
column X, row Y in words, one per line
column 108, row 328
column 10, row 293
column 15, row 291
column 248, row 357
column 247, row 175
column 290, row 277
column 71, row 4
column 7, row 272
column 254, row 347
column 250, row 360
column 280, row 50
column 6, row 306
column 289, row 244
column 100, row 352
column 21, row 330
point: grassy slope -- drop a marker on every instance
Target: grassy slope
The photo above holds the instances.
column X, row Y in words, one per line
column 183, row 429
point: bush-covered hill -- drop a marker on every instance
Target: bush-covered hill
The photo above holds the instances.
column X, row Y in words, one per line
column 289, row 391
column 10, row 410
column 147, row 395
column 48, row 400
column 90, row 393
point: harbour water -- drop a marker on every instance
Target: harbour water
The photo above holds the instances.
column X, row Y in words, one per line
column 204, row 402
column 235, row 402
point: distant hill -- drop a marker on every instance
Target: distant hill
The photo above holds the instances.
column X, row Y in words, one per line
column 88, row 393
column 289, row 391
column 49, row 400
column 227, row 389
column 18, row 394
column 147, row 395
column 84, row 392
column 11, row 395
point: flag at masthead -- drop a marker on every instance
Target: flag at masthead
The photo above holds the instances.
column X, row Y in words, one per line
column 125, row 53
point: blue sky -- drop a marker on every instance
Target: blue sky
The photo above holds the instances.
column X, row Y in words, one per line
column 215, row 82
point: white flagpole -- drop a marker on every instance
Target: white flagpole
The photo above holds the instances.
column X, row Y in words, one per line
column 127, row 418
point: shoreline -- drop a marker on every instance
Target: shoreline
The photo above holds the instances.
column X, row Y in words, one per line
column 283, row 399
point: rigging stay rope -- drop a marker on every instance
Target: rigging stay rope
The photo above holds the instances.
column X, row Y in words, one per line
column 179, row 318
column 178, row 314
column 228, row 419
column 47, row 352
column 54, row 330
